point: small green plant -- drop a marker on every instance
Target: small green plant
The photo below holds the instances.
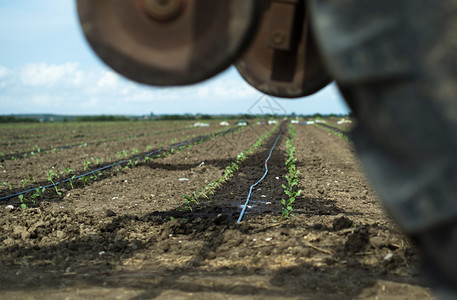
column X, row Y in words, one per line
column 84, row 180
column 38, row 150
column 71, row 181
column 189, row 200
column 23, row 200
column 51, row 175
column 38, row 193
column 25, row 182
column 132, row 163
column 32, row 178
column 97, row 160
column 86, row 164
column 202, row 193
column 9, row 185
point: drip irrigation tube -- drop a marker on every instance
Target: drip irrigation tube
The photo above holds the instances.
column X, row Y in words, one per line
column 156, row 151
column 334, row 129
column 260, row 180
column 20, row 155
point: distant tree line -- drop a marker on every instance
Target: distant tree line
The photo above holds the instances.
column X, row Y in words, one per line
column 102, row 118
column 13, row 119
column 171, row 117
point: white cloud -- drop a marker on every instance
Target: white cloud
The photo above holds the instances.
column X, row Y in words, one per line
column 69, row 89
column 42, row 74
column 91, row 103
column 203, row 91
column 3, row 72
column 144, row 96
column 109, row 79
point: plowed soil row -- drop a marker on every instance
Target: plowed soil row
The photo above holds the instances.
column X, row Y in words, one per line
column 25, row 138
column 13, row 171
column 127, row 238
column 20, row 151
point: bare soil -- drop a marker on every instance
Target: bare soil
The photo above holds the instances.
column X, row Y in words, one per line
column 128, row 237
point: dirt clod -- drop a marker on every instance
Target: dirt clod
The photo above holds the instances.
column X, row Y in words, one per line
column 342, row 223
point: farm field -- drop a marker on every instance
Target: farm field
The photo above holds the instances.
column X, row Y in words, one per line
column 161, row 223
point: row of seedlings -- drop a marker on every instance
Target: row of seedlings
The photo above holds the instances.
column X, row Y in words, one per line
column 335, row 130
column 290, row 189
column 120, row 166
column 14, row 155
column 230, row 171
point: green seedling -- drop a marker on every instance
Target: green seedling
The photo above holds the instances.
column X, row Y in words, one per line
column 202, row 193
column 25, row 182
column 23, row 200
column 98, row 160
column 38, row 193
column 86, row 164
column 71, row 181
column 32, row 178
column 189, row 200
column 38, row 150
column 51, row 175
column 9, row 185
column 84, row 179
column 132, row 163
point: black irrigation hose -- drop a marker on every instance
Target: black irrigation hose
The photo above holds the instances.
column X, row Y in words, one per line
column 156, row 151
column 20, row 155
column 345, row 133
column 260, row 180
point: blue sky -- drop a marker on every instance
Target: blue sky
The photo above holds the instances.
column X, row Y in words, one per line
column 46, row 66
